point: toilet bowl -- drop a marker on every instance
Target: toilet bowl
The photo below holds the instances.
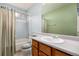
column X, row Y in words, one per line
column 26, row 46
column 26, row 49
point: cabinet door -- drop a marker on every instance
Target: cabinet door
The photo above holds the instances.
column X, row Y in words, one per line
column 59, row 53
column 42, row 54
column 34, row 43
column 34, row 51
column 44, row 48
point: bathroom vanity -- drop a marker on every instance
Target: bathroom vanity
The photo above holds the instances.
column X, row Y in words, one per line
column 41, row 47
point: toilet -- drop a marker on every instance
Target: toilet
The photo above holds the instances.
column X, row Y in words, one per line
column 26, row 48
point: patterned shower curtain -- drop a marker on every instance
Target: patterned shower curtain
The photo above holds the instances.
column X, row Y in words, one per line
column 7, row 31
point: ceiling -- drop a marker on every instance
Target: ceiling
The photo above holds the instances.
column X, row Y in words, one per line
column 46, row 7
column 23, row 6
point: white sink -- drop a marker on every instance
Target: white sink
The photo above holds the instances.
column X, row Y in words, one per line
column 51, row 39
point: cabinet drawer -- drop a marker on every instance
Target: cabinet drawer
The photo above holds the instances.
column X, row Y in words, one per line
column 44, row 48
column 35, row 43
column 59, row 53
column 41, row 54
column 34, row 51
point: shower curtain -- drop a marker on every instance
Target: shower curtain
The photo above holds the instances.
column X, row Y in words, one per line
column 7, row 31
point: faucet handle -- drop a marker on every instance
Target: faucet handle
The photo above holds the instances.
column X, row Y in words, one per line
column 55, row 37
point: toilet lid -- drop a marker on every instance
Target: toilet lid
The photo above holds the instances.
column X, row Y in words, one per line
column 26, row 46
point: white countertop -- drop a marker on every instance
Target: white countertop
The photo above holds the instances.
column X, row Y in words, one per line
column 69, row 46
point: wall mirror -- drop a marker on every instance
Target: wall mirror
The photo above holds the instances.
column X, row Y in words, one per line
column 61, row 18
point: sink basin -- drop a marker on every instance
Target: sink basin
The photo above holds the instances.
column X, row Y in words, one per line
column 51, row 39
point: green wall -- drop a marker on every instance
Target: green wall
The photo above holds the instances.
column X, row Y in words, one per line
column 62, row 20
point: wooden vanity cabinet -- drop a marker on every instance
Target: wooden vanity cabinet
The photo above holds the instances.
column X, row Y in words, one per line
column 35, row 48
column 34, row 51
column 59, row 53
column 35, row 43
column 45, row 49
column 40, row 49
column 42, row 54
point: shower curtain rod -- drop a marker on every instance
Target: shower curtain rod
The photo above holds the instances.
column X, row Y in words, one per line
column 16, row 9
